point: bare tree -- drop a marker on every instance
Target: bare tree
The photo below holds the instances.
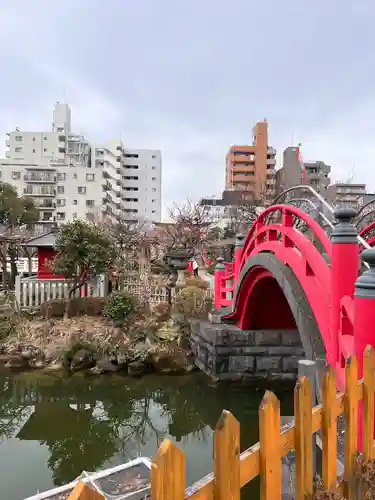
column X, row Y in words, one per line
column 189, row 228
column 130, row 241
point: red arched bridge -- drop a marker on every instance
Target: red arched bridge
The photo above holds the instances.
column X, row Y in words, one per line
column 293, row 272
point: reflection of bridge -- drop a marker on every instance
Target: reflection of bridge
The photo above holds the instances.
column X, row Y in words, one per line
column 299, row 268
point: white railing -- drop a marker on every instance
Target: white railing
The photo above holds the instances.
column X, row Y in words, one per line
column 32, row 293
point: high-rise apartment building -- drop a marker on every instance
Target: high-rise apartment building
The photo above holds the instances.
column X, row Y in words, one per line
column 251, row 169
column 141, row 171
column 295, row 172
column 68, row 177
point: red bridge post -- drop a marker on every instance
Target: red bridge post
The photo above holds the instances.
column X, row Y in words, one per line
column 219, row 275
column 344, row 272
column 364, row 309
column 238, row 256
column 364, row 320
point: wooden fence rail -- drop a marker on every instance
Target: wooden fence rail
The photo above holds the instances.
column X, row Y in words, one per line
column 233, row 470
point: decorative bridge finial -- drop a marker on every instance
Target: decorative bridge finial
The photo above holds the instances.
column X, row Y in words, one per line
column 344, row 231
column 220, row 266
column 239, row 240
column 365, row 284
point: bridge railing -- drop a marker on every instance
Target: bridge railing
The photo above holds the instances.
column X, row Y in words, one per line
column 283, row 224
column 232, row 469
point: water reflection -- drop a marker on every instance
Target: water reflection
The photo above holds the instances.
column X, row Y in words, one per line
column 92, row 423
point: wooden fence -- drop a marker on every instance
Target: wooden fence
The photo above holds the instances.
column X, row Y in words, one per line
column 233, row 470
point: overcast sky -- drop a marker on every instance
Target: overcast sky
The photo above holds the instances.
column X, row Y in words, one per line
column 192, row 77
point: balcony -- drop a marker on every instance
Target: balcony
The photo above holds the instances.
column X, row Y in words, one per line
column 107, row 186
column 242, row 159
column 46, row 179
column 271, row 161
column 243, row 179
column 46, row 205
column 28, row 192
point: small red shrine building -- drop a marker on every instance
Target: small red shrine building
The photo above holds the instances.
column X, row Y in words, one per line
column 45, row 245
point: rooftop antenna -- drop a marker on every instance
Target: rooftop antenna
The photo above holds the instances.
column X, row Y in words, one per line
column 352, row 175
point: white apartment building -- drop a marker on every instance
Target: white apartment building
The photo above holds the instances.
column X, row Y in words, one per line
column 61, row 191
column 141, row 194
column 67, row 177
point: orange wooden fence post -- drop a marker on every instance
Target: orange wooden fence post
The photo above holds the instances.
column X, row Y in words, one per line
column 84, row 492
column 270, row 448
column 168, row 473
column 368, row 403
column 227, row 458
column 351, row 424
column 329, row 430
column 303, row 439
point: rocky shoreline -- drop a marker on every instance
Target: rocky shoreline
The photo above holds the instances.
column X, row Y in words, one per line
column 90, row 345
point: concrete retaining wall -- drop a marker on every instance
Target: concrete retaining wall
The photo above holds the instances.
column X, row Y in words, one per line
column 225, row 352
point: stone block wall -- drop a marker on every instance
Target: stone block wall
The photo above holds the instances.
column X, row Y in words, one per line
column 225, row 352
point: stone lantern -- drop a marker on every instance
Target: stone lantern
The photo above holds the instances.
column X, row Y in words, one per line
column 178, row 259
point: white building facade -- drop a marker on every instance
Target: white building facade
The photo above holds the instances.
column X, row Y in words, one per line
column 67, row 177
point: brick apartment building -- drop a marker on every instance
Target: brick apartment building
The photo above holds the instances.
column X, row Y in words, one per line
column 251, row 169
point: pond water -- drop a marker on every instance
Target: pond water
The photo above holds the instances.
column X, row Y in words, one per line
column 52, row 427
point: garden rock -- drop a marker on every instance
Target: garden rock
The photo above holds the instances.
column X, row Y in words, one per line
column 17, row 363
column 171, row 361
column 108, row 365
column 82, row 360
column 137, row 368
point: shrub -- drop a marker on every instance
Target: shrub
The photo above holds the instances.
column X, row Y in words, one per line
column 120, row 306
column 162, row 311
column 197, row 281
column 8, row 325
column 190, row 302
column 90, row 306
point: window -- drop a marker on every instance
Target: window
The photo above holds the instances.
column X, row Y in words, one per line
column 153, row 178
column 16, row 175
column 33, row 139
column 60, row 189
column 60, row 203
column 154, row 157
column 154, row 190
column 131, row 199
column 81, row 189
column 130, row 155
column 75, row 215
column 33, row 150
column 90, row 203
column 153, row 201
column 153, row 167
column 46, row 216
column 153, row 211
column 90, row 177
column 17, row 150
column 45, row 150
column 18, row 138
column 135, row 167
column 60, row 215
column 61, row 176
column 74, row 176
column 45, row 138
column 75, row 202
